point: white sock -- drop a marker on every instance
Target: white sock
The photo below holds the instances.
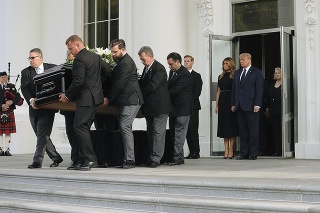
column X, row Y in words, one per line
column 8, row 140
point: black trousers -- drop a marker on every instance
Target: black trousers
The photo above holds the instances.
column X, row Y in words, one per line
column 193, row 134
column 75, row 150
column 277, row 133
column 83, row 120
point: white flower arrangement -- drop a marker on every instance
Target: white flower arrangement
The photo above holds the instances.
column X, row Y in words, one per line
column 105, row 55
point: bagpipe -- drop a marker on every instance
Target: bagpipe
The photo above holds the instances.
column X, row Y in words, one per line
column 10, row 91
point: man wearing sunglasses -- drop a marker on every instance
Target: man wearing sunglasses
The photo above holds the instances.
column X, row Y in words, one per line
column 41, row 119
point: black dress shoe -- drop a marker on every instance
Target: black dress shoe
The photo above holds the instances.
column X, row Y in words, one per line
column 86, row 166
column 153, row 164
column 189, row 156
column 74, row 166
column 129, row 164
column 56, row 163
column 7, row 152
column 176, row 162
column 195, row 156
column 242, row 157
column 1, row 152
column 34, row 165
column 253, row 157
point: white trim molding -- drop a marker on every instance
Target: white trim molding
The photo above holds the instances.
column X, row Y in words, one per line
column 205, row 11
column 310, row 22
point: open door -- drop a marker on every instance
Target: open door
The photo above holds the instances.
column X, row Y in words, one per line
column 287, row 92
column 220, row 47
column 269, row 51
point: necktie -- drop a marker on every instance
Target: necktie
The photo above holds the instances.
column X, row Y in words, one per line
column 38, row 70
column 244, row 72
column 145, row 72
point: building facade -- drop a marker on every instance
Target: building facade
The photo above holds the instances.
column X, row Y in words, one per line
column 184, row 26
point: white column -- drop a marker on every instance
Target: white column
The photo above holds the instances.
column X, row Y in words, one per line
column 308, row 54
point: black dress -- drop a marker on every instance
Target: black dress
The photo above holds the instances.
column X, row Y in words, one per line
column 227, row 120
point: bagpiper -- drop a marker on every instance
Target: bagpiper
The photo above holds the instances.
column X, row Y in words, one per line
column 9, row 98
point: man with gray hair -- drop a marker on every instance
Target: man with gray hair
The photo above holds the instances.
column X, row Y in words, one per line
column 41, row 119
column 156, row 107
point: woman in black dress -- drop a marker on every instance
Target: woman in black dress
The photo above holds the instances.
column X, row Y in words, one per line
column 274, row 111
column 227, row 120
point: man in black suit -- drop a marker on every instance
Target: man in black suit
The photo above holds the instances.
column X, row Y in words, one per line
column 125, row 94
column 246, row 99
column 156, row 107
column 193, row 134
column 180, row 89
column 86, row 89
column 41, row 119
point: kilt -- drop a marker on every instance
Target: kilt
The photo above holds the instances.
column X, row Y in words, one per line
column 10, row 126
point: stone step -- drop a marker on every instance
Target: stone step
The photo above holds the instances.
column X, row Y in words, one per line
column 15, row 205
column 46, row 195
column 263, row 190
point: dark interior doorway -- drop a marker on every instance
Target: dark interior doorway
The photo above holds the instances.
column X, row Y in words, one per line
column 265, row 52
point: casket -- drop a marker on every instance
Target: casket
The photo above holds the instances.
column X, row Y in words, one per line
column 54, row 81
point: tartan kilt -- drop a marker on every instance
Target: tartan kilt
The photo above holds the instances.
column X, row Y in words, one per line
column 10, row 126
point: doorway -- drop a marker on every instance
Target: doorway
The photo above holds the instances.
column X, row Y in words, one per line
column 265, row 51
column 269, row 49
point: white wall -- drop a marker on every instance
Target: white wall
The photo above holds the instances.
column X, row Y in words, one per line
column 28, row 24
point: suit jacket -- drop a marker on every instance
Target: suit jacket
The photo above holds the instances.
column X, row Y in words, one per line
column 180, row 89
column 28, row 89
column 87, row 71
column 154, row 88
column 196, row 89
column 249, row 93
column 125, row 89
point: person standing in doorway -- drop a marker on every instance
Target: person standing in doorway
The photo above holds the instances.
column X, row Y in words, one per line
column 180, row 89
column 126, row 95
column 274, row 111
column 41, row 119
column 227, row 120
column 246, row 100
column 193, row 127
column 156, row 107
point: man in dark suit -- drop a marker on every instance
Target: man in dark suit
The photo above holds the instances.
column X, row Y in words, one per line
column 156, row 107
column 125, row 94
column 193, row 134
column 41, row 119
column 180, row 89
column 246, row 99
column 86, row 89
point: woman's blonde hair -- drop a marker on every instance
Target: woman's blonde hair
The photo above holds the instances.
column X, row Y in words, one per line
column 277, row 68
